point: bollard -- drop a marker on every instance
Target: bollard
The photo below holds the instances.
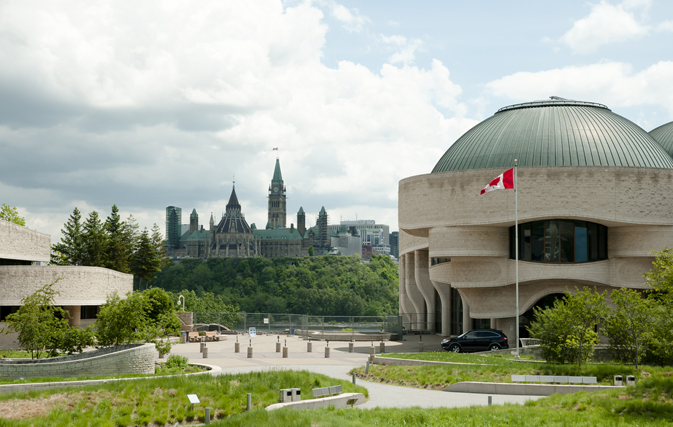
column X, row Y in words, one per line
column 490, row 400
column 205, row 352
column 202, row 346
column 326, row 352
column 420, row 347
column 309, row 347
column 372, row 351
column 350, row 347
column 284, row 352
column 183, row 338
column 237, row 347
column 277, row 347
column 353, row 378
column 249, row 405
column 250, row 352
column 382, row 347
column 207, row 415
column 367, row 368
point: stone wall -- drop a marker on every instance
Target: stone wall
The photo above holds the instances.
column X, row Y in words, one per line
column 23, row 244
column 77, row 285
column 127, row 359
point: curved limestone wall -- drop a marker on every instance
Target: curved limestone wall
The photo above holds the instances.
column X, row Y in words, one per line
column 125, row 359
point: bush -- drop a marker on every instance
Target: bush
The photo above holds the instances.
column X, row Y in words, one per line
column 177, row 361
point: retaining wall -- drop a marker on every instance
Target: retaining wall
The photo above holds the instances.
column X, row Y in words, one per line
column 126, row 359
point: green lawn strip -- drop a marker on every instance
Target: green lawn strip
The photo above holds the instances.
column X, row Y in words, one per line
column 159, row 371
column 648, row 404
column 441, row 376
column 446, row 356
column 164, row 400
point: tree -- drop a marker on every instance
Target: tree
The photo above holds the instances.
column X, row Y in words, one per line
column 95, row 241
column 70, row 250
column 141, row 316
column 118, row 248
column 145, row 262
column 38, row 322
column 11, row 214
column 629, row 324
column 158, row 242
column 310, row 251
column 660, row 278
column 568, row 328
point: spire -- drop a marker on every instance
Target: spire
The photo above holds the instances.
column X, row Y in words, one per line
column 301, row 211
column 277, row 176
column 194, row 214
column 233, row 204
column 323, row 211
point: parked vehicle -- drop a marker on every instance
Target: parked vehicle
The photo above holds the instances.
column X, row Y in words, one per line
column 477, row 340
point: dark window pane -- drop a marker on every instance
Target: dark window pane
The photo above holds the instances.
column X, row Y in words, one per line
column 592, row 236
column 537, row 241
column 602, row 242
column 551, row 241
column 581, row 241
column 567, row 241
column 526, row 241
column 512, row 255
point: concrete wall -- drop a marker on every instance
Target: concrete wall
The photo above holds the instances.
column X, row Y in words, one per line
column 23, row 244
column 128, row 359
column 444, row 216
column 77, row 285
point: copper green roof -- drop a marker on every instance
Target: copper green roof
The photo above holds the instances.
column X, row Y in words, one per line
column 664, row 136
column 301, row 210
column 198, row 235
column 277, row 176
column 278, row 234
column 193, row 214
column 554, row 133
column 322, row 211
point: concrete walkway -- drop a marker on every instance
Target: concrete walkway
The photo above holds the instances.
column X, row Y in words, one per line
column 337, row 366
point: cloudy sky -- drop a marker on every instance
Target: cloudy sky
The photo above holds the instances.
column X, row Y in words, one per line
column 156, row 103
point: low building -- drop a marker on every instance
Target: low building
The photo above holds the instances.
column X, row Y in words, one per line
column 24, row 255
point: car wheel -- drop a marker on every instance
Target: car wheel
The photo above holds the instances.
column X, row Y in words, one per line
column 455, row 348
column 494, row 347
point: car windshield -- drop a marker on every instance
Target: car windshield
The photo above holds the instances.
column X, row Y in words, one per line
column 462, row 335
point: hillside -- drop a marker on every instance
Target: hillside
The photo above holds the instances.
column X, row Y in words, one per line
column 323, row 285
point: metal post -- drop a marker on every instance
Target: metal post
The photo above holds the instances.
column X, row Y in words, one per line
column 490, row 400
column 207, row 415
column 367, row 368
column 249, row 405
column 323, row 327
column 516, row 250
column 353, row 378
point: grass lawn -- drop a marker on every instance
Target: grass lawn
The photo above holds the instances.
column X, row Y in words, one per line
column 156, row 401
column 648, row 404
column 493, row 368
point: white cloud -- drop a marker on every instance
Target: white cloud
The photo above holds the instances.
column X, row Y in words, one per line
column 159, row 103
column 615, row 84
column 405, row 49
column 606, row 23
column 351, row 19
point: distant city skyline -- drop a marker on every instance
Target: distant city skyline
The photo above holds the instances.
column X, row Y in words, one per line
column 157, row 104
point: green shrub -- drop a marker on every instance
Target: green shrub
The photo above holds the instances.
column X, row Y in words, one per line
column 176, row 361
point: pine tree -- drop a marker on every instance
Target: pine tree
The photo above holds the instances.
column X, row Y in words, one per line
column 158, row 242
column 95, row 241
column 145, row 263
column 117, row 249
column 70, row 250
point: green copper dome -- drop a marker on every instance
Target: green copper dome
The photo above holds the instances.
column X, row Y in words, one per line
column 664, row 136
column 558, row 132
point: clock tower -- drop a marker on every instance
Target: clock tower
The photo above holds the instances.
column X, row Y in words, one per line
column 277, row 209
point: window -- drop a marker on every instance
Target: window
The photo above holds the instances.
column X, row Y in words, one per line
column 560, row 241
column 89, row 311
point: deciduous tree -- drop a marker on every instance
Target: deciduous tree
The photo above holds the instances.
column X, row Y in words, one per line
column 629, row 324
column 11, row 214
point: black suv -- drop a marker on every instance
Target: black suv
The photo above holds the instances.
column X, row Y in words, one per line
column 477, row 340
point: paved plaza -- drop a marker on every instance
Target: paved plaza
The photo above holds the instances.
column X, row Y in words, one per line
column 337, row 366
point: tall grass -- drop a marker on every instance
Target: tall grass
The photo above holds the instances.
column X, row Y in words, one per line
column 164, row 400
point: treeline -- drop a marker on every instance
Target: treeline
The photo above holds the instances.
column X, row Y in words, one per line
column 324, row 285
column 111, row 243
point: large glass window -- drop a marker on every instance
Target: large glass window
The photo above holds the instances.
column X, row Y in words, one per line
column 560, row 240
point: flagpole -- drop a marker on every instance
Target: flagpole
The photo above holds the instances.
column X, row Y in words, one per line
column 516, row 251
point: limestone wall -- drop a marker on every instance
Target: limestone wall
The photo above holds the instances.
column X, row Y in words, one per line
column 128, row 359
column 23, row 244
column 77, row 285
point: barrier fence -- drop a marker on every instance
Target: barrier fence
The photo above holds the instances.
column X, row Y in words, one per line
column 317, row 327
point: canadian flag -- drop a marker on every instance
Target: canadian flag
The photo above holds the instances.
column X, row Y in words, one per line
column 501, row 182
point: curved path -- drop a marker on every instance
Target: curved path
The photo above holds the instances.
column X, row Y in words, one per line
column 337, row 366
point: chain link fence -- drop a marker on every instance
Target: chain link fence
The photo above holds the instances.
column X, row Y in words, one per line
column 358, row 328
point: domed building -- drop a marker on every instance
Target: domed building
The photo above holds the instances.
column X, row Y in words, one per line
column 664, row 136
column 594, row 201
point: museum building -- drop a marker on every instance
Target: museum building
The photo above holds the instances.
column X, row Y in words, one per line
column 594, row 201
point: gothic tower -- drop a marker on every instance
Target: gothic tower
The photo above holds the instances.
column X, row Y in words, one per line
column 277, row 210
column 193, row 222
column 301, row 221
